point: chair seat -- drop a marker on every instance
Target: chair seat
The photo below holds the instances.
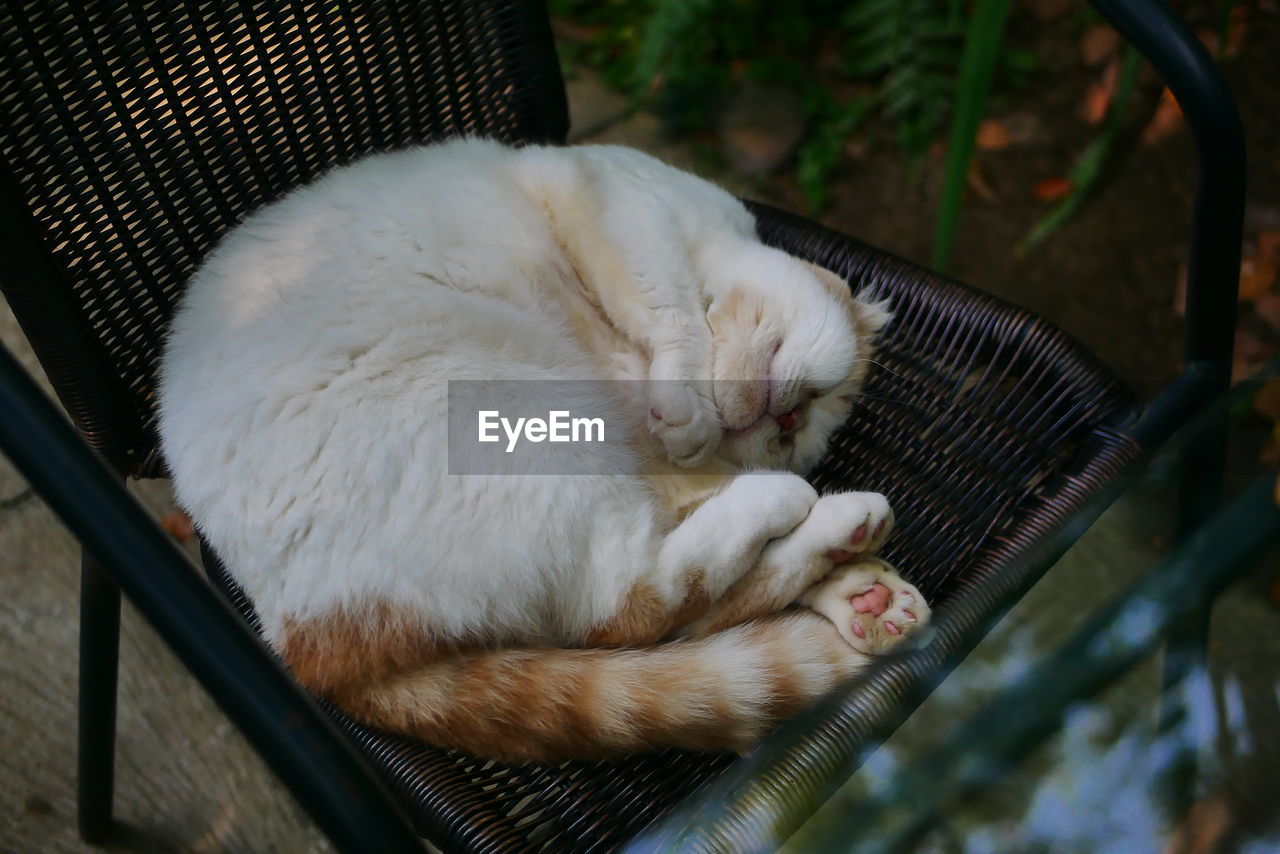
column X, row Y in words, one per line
column 983, row 424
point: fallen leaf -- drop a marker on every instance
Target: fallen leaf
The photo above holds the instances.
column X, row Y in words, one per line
column 1237, row 28
column 1098, row 44
column 1266, row 402
column 1166, row 119
column 992, row 135
column 1267, row 308
column 1097, row 98
column 1256, row 278
column 179, row 526
column 1051, row 189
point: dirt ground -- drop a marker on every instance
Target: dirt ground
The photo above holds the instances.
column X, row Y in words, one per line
column 1110, row 276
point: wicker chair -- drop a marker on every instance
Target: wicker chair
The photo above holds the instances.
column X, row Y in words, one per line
column 132, row 136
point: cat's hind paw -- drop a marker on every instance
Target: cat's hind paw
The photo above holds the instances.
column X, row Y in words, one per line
column 872, row 607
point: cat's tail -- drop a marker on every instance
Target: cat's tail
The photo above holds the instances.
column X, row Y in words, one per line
column 721, row 692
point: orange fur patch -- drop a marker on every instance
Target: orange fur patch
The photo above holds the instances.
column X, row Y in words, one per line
column 696, row 599
column 540, row 705
column 643, row 619
column 646, row 618
column 330, row 654
column 787, row 694
column 738, row 606
column 513, row 705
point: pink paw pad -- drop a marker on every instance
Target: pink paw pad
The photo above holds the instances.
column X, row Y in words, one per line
column 874, row 601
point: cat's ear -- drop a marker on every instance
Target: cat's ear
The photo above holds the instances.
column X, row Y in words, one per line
column 871, row 317
column 835, row 285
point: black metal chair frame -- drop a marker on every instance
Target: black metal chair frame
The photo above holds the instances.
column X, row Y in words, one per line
column 125, row 551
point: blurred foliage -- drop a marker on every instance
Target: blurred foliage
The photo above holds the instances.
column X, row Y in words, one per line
column 977, row 70
column 1089, row 165
column 848, row 60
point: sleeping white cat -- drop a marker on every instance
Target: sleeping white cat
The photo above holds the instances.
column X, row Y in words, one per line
column 304, row 417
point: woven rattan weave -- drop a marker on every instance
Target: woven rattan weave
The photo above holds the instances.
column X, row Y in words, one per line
column 137, row 133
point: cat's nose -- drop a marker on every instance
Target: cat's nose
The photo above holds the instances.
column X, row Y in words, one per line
column 788, row 421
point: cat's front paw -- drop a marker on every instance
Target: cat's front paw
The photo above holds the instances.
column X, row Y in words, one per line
column 871, row 606
column 685, row 421
column 846, row 524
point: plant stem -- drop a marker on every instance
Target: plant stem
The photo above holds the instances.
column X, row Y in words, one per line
column 977, row 69
column 1088, row 167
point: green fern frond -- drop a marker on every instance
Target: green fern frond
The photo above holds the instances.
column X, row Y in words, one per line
column 667, row 38
column 912, row 48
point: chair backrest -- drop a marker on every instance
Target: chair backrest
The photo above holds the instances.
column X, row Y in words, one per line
column 134, row 134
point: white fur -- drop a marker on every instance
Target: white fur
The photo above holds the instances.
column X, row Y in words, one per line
column 303, row 396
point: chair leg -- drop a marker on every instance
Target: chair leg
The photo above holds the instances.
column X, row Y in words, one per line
column 99, row 657
column 1202, row 463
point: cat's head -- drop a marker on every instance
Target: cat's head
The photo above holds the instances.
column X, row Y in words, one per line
column 791, row 350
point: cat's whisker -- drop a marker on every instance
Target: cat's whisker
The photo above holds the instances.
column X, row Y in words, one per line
column 883, row 367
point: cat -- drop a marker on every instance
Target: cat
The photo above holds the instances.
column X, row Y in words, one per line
column 533, row 617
